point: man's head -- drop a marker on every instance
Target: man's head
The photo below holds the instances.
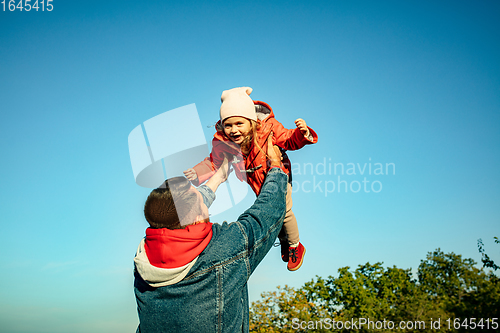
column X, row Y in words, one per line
column 175, row 204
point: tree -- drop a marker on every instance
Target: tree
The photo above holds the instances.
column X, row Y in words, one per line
column 487, row 262
column 374, row 293
column 446, row 286
column 278, row 309
column 464, row 290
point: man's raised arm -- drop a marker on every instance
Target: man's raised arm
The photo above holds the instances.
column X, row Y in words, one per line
column 262, row 222
column 208, row 190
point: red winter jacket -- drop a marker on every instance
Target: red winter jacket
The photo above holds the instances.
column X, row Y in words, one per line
column 252, row 168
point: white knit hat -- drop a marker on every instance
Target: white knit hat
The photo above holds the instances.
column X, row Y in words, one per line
column 237, row 102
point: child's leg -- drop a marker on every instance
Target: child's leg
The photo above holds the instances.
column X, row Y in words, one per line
column 296, row 251
column 290, row 228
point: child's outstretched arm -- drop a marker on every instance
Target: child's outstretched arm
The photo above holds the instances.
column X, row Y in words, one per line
column 201, row 172
column 293, row 139
column 204, row 170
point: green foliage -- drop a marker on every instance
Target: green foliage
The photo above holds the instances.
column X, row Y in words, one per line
column 487, row 262
column 446, row 287
column 277, row 309
column 463, row 289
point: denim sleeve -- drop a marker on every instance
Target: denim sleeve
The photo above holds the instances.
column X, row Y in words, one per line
column 207, row 194
column 262, row 222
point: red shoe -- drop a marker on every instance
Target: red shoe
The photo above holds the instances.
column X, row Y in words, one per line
column 296, row 256
column 284, row 250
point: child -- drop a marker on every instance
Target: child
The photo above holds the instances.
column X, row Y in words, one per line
column 244, row 127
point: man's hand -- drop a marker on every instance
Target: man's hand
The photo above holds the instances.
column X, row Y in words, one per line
column 302, row 126
column 191, row 174
column 223, row 171
column 273, row 152
column 220, row 176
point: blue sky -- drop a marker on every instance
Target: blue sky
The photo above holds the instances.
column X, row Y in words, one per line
column 413, row 83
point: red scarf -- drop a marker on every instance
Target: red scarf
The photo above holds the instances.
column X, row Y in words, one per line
column 167, row 248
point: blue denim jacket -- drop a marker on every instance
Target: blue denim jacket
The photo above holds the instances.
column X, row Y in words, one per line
column 213, row 297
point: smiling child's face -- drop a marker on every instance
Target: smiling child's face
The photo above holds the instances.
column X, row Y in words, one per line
column 237, row 128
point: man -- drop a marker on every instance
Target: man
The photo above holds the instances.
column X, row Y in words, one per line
column 191, row 275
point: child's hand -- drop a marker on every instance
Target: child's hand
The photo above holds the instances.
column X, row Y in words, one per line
column 302, row 126
column 190, row 174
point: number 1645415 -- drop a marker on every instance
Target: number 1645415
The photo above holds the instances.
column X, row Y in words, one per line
column 27, row 5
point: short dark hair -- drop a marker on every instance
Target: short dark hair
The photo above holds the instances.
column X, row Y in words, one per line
column 170, row 203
